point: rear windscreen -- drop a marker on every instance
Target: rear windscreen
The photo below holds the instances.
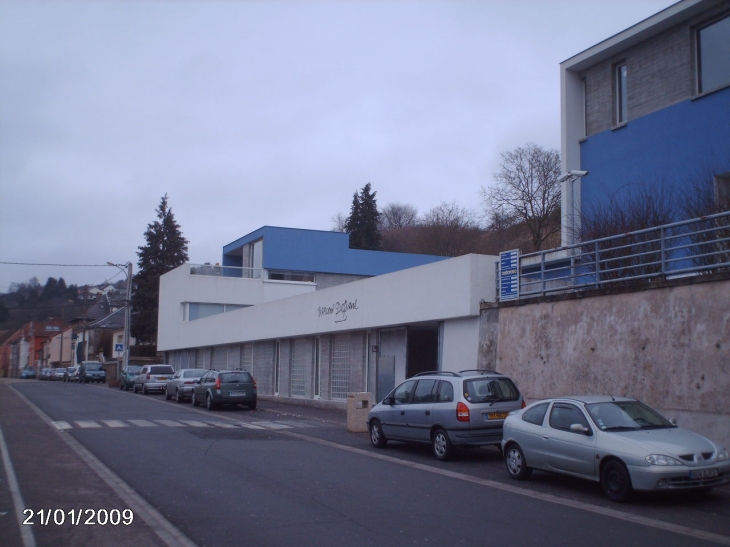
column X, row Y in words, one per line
column 93, row 366
column 482, row 390
column 236, row 377
column 193, row 373
column 161, row 369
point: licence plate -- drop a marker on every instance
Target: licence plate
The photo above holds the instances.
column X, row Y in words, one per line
column 162, row 377
column 237, row 394
column 497, row 415
column 703, row 473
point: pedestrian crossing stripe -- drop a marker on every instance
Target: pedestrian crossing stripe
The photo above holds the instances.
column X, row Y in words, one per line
column 120, row 424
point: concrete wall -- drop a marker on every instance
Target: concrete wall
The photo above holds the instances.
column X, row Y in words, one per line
column 669, row 347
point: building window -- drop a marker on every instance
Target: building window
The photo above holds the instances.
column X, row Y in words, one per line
column 713, row 55
column 303, row 277
column 620, row 94
column 199, row 310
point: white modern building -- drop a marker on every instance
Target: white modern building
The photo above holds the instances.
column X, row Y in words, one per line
column 321, row 323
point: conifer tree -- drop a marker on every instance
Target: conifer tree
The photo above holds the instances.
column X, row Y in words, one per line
column 166, row 249
column 363, row 224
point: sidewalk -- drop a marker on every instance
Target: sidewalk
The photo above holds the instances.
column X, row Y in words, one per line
column 51, row 476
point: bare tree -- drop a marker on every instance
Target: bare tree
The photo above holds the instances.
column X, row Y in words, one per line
column 398, row 215
column 527, row 191
column 449, row 230
column 338, row 222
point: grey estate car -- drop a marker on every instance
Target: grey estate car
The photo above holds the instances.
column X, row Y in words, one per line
column 230, row 387
column 447, row 410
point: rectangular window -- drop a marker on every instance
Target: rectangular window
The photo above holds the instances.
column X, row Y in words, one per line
column 713, row 55
column 620, row 94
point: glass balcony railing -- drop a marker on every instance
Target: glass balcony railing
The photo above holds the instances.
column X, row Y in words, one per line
column 225, row 271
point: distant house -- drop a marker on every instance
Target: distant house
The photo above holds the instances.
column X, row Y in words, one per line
column 648, row 107
column 25, row 347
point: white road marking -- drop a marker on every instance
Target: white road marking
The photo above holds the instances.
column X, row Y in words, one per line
column 170, row 423
column 114, row 423
column 225, row 426
column 26, row 532
column 142, row 423
column 273, row 425
column 61, row 425
column 194, row 423
column 87, row 424
column 249, row 425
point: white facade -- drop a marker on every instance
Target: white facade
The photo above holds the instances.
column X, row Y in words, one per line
column 435, row 305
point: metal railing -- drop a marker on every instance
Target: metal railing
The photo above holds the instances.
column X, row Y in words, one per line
column 692, row 247
column 225, row 271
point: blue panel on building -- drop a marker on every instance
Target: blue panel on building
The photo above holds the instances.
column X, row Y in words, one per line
column 669, row 146
column 294, row 249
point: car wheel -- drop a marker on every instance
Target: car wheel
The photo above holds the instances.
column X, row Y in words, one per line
column 252, row 406
column 209, row 404
column 167, row 395
column 616, row 481
column 134, row 388
column 442, row 447
column 144, row 389
column 516, row 463
column 376, row 435
column 178, row 398
column 195, row 401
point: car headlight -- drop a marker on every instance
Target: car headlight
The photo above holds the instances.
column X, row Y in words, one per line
column 723, row 455
column 659, row 459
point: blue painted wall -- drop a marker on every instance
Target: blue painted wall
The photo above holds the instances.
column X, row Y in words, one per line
column 318, row 251
column 668, row 146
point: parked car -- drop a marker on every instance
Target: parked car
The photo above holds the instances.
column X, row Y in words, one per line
column 152, row 378
column 92, row 371
column 27, row 373
column 617, row 441
column 45, row 374
column 58, row 374
column 129, row 373
column 72, row 374
column 447, row 410
column 217, row 387
column 181, row 384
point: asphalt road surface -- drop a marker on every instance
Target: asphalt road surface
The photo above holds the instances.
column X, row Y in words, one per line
column 96, row 466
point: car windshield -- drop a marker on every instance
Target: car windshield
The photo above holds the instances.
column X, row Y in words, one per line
column 193, row 373
column 93, row 366
column 132, row 369
column 161, row 369
column 235, row 377
column 626, row 416
column 483, row 390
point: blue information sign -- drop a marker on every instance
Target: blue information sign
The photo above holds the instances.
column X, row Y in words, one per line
column 119, row 347
column 509, row 275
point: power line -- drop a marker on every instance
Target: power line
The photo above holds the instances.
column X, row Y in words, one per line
column 61, row 265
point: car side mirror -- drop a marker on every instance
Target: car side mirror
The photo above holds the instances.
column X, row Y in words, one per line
column 388, row 401
column 577, row 428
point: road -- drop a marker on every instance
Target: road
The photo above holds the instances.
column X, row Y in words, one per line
column 285, row 475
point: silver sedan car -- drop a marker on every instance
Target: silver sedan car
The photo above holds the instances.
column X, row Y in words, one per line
column 181, row 385
column 620, row 442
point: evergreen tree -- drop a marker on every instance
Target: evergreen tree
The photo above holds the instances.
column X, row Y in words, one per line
column 363, row 224
column 166, row 249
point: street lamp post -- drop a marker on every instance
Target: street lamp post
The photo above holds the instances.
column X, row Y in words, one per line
column 127, row 269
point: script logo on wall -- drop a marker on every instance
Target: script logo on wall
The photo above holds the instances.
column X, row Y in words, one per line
column 338, row 309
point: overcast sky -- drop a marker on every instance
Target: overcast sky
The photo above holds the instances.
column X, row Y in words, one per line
column 253, row 113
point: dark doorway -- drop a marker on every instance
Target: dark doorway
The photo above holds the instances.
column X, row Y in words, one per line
column 423, row 349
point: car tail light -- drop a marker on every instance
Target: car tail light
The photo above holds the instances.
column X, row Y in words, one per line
column 218, row 382
column 524, row 403
column 254, row 383
column 148, row 375
column 462, row 412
